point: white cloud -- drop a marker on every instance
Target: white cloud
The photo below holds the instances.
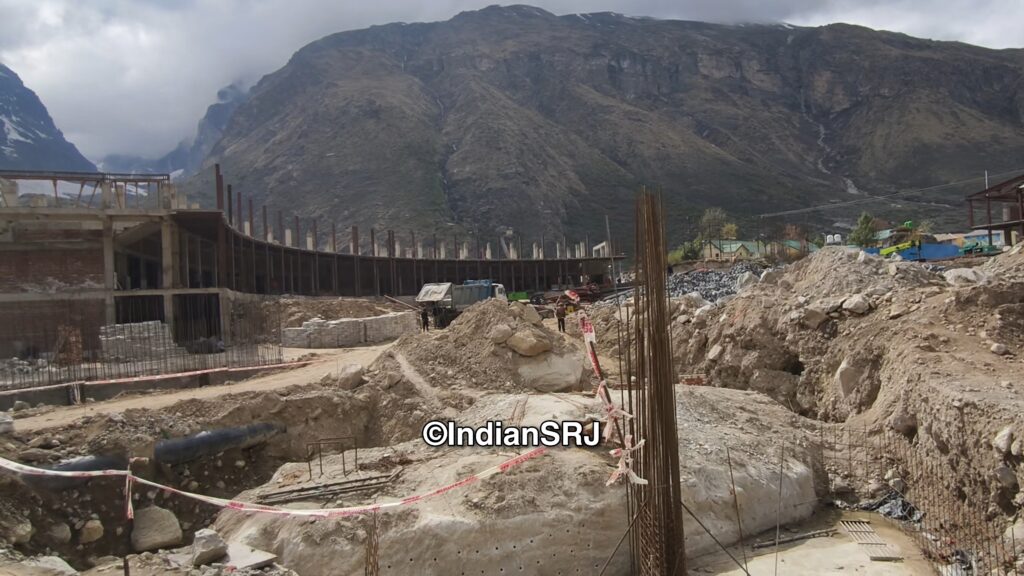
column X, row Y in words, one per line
column 134, row 76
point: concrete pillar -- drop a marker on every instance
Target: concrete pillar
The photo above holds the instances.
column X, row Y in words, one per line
column 398, row 247
column 246, row 229
column 442, row 250
column 558, row 251
column 287, row 236
column 106, row 195
column 109, row 270
column 487, row 252
column 9, row 188
column 310, row 245
column 168, row 269
column 419, row 249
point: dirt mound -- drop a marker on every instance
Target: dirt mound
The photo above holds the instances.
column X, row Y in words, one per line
column 295, row 310
column 494, row 345
column 882, row 345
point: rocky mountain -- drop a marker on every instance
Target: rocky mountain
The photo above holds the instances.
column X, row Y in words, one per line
column 29, row 140
column 512, row 117
column 187, row 157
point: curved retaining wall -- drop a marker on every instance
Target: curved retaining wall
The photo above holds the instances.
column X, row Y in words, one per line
column 318, row 333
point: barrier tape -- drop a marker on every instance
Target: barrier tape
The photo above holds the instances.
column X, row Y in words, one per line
column 614, row 415
column 131, row 479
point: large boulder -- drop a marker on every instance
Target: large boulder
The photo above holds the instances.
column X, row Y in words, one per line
column 499, row 333
column 1003, row 440
column 529, row 342
column 552, row 372
column 848, row 378
column 91, row 531
column 965, row 276
column 349, row 377
column 155, row 528
column 527, row 312
column 857, row 304
column 207, row 547
column 812, row 318
column 744, row 280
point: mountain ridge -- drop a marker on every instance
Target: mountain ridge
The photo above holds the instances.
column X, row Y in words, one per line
column 29, row 139
column 516, row 118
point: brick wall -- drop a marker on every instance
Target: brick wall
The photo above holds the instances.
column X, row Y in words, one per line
column 45, row 269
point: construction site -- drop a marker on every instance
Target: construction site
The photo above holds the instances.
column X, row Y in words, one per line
column 188, row 392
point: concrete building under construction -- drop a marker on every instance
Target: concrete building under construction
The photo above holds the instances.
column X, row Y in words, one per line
column 84, row 251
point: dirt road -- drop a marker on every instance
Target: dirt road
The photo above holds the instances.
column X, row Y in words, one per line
column 326, row 362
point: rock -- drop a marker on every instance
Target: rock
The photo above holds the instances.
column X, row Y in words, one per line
column 1018, row 447
column 744, row 280
column 6, row 423
column 349, row 377
column 155, row 528
column 19, row 532
column 1003, row 440
column 857, row 304
column 91, row 531
column 898, row 485
column 1014, row 535
column 896, row 312
column 812, row 318
column 527, row 312
column 20, row 405
column 965, row 276
column 904, row 422
column 50, row 565
column 528, row 343
column 499, row 333
column 715, row 352
column 531, row 315
column 999, row 349
column 36, row 455
column 60, row 533
column 207, row 547
column 391, row 378
column 552, row 372
column 847, row 378
column 771, row 276
column 1004, row 474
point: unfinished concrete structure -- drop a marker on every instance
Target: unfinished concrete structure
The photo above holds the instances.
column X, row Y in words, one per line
column 105, row 249
column 1008, row 199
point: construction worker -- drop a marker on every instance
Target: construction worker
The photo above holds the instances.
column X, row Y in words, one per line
column 560, row 315
column 424, row 320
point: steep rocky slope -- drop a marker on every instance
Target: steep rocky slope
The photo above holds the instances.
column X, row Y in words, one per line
column 29, row 140
column 514, row 117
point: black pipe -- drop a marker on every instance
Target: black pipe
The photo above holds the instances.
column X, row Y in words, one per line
column 84, row 464
column 209, row 443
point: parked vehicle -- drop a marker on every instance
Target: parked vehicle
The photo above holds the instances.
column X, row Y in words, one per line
column 445, row 300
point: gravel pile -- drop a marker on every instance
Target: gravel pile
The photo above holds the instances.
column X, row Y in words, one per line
column 713, row 285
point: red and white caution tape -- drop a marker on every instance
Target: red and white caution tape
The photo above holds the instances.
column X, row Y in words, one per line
column 131, row 479
column 625, row 465
column 615, row 417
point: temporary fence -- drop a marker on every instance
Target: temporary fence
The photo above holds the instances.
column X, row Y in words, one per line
column 71, row 340
column 944, row 511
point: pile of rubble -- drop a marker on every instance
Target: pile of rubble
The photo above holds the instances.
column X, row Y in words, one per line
column 138, row 341
column 845, row 336
column 498, row 346
column 714, row 285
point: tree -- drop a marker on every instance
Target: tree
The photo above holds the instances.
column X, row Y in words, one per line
column 730, row 231
column 711, row 222
column 864, row 234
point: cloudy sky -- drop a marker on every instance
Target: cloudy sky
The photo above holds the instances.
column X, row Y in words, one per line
column 134, row 76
